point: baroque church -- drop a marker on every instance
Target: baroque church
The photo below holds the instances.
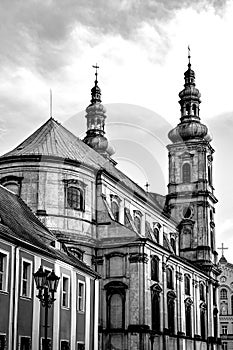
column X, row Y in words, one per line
column 155, row 254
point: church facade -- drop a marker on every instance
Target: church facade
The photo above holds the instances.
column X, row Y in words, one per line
column 156, row 254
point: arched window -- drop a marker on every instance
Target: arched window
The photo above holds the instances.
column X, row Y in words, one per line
column 115, row 210
column 203, row 323
column 115, row 304
column 187, row 285
column 194, row 109
column 75, row 198
column 202, row 292
column 209, row 174
column 12, row 183
column 186, row 172
column 169, row 278
column 155, row 268
column 155, row 307
column 137, row 223
column 188, row 320
column 187, row 109
column 173, row 244
column 116, row 311
column 223, row 293
column 232, row 304
column 171, row 312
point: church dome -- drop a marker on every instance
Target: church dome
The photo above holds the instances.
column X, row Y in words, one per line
column 188, row 131
column 98, row 142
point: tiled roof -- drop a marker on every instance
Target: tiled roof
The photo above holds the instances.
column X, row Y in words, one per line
column 54, row 140
column 17, row 216
column 18, row 223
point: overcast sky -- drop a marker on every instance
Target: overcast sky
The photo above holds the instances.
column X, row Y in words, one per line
column 141, row 48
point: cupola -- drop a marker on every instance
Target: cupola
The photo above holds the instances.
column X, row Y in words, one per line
column 190, row 127
column 96, row 115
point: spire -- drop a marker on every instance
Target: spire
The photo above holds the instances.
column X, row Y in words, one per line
column 95, row 91
column 95, row 136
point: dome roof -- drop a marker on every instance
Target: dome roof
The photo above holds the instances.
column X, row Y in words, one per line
column 187, row 131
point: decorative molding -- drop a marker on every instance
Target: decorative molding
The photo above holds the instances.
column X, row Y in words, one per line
column 115, row 197
column 156, row 288
column 138, row 257
column 98, row 260
column 179, row 276
column 137, row 213
column 188, row 301
column 76, row 182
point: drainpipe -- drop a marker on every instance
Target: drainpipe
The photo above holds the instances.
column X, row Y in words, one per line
column 14, row 299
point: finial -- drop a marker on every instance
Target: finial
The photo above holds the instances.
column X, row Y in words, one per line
column 147, row 185
column 51, row 103
column 96, row 73
column 222, row 249
column 189, row 56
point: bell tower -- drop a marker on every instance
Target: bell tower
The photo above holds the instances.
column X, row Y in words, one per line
column 191, row 196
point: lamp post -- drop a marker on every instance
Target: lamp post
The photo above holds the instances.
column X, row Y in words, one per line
column 46, row 283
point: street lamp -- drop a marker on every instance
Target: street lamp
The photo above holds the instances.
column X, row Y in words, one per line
column 46, row 283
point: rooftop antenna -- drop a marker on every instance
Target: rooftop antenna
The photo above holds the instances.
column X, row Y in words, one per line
column 51, row 103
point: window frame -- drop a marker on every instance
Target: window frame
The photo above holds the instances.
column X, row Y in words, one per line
column 5, row 272
column 5, row 340
column 224, row 329
column 25, row 337
column 186, row 172
column 187, row 285
column 83, row 297
column 49, row 343
column 29, row 281
column 67, row 293
column 80, row 343
column 222, row 294
column 155, row 268
column 64, row 340
column 170, row 283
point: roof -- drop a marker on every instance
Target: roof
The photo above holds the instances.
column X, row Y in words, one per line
column 18, row 223
column 54, row 140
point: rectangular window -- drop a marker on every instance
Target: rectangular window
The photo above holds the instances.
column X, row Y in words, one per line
column 43, row 344
column 65, row 291
column 224, row 329
column 81, row 296
column 25, row 343
column 3, row 271
column 65, row 345
column 2, row 341
column 224, row 346
column 81, row 346
column 26, row 278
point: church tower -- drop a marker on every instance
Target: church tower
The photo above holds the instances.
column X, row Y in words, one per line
column 96, row 115
column 191, row 196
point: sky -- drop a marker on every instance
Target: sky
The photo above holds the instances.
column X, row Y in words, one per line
column 141, row 48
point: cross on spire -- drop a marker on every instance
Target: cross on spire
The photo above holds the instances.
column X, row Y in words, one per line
column 189, row 54
column 96, row 72
column 222, row 248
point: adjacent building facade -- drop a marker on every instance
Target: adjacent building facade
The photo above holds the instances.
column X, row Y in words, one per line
column 226, row 303
column 25, row 245
column 156, row 254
